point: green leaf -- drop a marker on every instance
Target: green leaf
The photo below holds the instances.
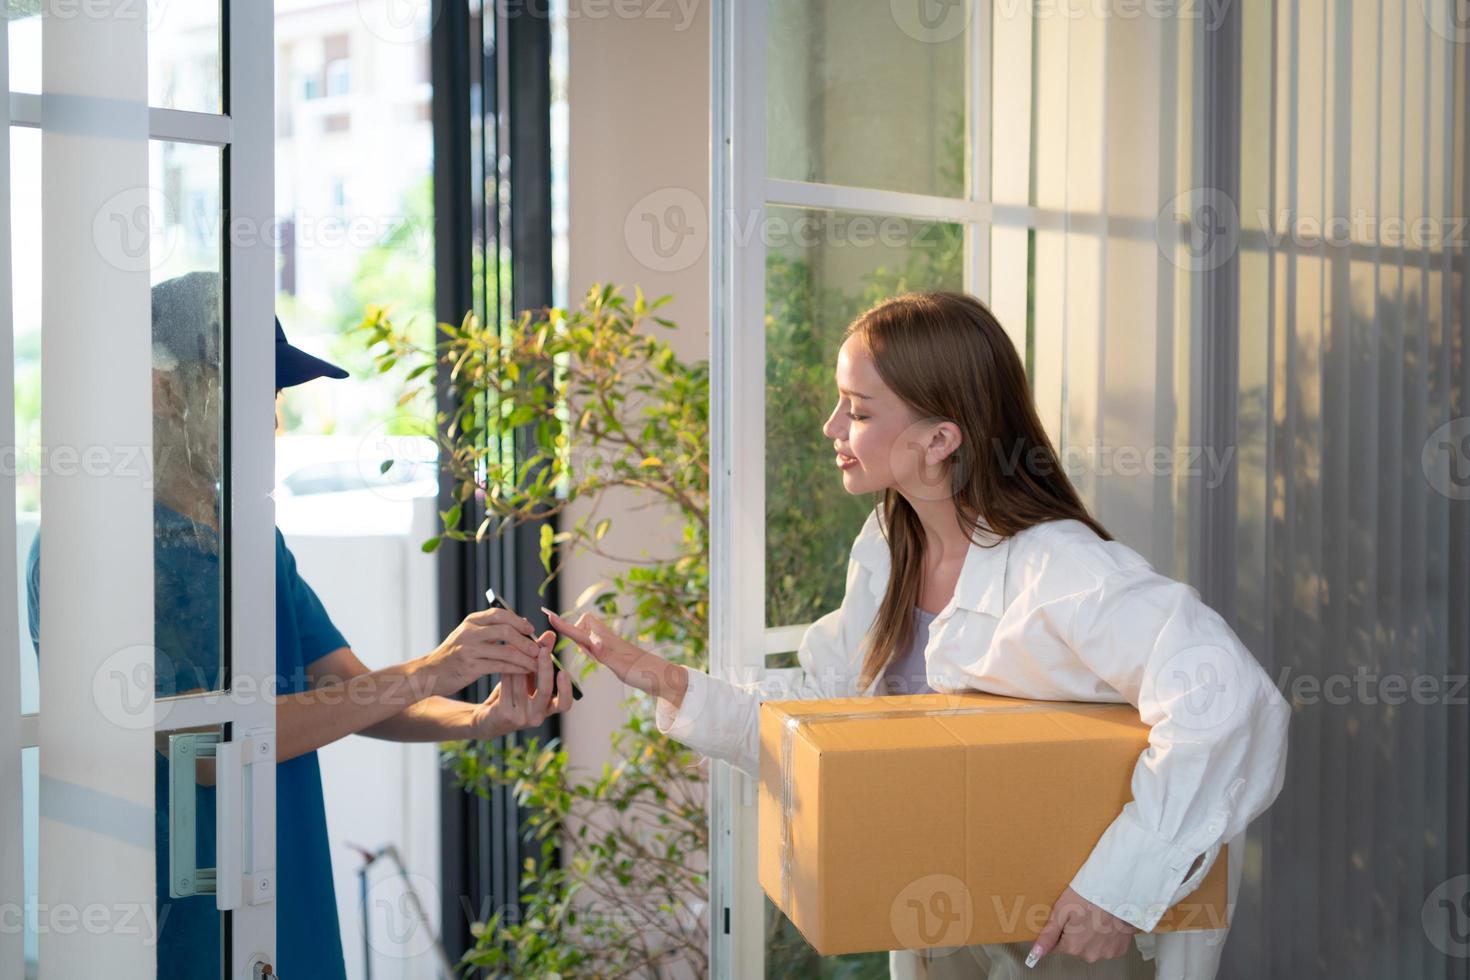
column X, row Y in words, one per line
column 430, row 546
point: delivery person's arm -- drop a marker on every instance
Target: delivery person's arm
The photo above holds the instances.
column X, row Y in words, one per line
column 1217, row 744
column 518, row 701
column 337, row 704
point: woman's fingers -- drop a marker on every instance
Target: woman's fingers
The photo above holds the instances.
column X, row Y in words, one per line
column 566, row 629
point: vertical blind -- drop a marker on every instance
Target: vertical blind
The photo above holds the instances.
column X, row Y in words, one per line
column 1352, row 535
column 1244, row 237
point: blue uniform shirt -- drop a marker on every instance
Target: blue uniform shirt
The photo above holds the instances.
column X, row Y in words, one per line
column 186, row 627
column 308, row 938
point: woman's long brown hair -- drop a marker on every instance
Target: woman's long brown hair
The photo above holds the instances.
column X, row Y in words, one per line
column 947, row 357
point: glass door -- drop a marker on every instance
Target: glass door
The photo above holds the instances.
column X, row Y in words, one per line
column 138, row 757
column 1034, row 158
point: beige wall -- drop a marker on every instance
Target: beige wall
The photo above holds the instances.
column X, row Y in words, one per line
column 638, row 92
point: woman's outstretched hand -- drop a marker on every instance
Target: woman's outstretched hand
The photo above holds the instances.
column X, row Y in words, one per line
column 630, row 664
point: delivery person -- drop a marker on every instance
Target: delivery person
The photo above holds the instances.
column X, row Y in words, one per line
column 981, row 569
column 324, row 691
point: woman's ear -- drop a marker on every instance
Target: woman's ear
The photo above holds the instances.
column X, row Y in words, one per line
column 944, row 440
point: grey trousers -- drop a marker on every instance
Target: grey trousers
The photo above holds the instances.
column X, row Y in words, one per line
column 1007, row 961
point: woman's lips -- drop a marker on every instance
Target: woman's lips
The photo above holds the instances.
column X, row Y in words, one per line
column 846, row 462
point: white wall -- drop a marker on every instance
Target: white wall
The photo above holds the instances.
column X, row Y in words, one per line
column 638, row 94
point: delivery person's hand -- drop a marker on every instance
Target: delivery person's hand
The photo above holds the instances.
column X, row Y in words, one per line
column 631, row 664
column 1079, row 928
column 524, row 700
column 492, row 641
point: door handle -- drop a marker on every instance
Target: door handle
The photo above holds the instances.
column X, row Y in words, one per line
column 244, row 774
column 185, row 877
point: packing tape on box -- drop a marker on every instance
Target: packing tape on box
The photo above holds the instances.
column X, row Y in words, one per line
column 793, row 723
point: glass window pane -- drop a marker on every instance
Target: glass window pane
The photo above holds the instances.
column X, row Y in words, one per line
column 174, row 228
column 30, row 848
column 823, row 268
column 24, row 23
column 188, row 921
column 25, row 278
column 184, row 56
column 188, row 427
column 867, row 94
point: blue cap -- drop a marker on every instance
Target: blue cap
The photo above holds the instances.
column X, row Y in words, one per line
column 295, row 366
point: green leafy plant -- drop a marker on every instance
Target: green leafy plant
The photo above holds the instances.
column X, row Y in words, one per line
column 618, row 887
column 609, row 406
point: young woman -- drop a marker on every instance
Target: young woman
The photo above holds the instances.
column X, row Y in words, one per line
column 980, row 569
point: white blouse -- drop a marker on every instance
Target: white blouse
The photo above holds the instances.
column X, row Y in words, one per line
column 1056, row 613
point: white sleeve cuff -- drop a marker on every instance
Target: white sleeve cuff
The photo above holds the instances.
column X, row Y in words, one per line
column 1137, row 875
column 678, row 723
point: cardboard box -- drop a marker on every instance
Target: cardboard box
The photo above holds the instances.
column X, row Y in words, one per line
column 943, row 820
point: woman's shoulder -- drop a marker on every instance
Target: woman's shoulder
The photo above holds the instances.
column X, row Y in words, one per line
column 1070, row 554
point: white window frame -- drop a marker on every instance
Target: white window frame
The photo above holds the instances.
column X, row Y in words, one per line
column 739, row 189
column 79, row 745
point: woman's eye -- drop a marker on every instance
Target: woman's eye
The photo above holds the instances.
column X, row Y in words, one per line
column 856, row 418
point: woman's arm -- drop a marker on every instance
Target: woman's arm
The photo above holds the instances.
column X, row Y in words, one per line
column 1217, row 739
column 715, row 717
